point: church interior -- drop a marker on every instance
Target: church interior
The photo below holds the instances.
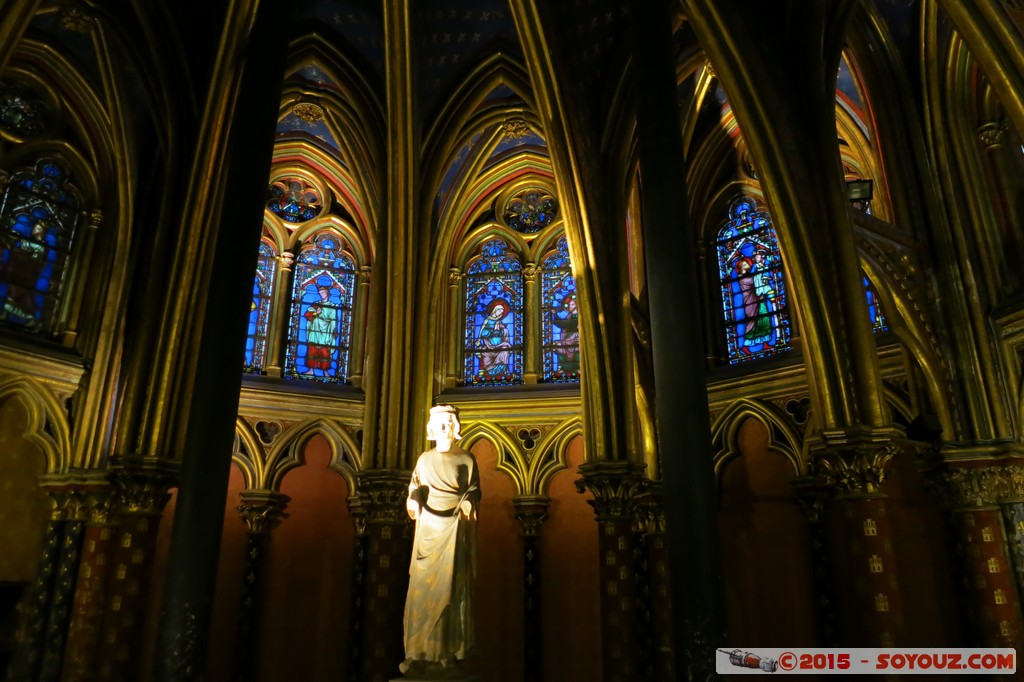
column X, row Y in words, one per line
column 728, row 297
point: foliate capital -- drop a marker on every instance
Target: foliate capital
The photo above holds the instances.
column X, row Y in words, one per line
column 142, row 484
column 380, row 498
column 614, row 486
column 531, row 511
column 856, row 469
column 974, row 486
column 262, row 510
column 83, row 497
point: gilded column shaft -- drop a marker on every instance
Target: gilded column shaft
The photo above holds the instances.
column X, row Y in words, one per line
column 455, row 348
column 988, row 585
column 356, row 355
column 278, row 332
column 531, row 511
column 613, row 486
column 382, row 522
column 531, row 350
column 871, row 613
column 87, row 613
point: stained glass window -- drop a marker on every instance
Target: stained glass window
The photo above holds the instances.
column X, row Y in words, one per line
column 878, row 323
column 560, row 322
column 530, row 211
column 320, row 334
column 294, row 200
column 38, row 217
column 493, row 343
column 259, row 314
column 753, row 290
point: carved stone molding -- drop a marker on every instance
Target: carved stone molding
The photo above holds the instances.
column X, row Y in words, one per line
column 613, row 485
column 992, row 134
column 262, row 510
column 76, row 20
column 856, row 469
column 142, row 484
column 380, row 498
column 531, row 511
column 308, row 112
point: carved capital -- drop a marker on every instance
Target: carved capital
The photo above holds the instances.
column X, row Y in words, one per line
column 262, row 510
column 812, row 494
column 84, row 497
column 363, row 274
column 287, row 259
column 76, row 20
column 856, row 469
column 973, row 486
column 529, row 272
column 93, row 219
column 614, row 486
column 649, row 510
column 454, row 277
column 1014, row 482
column 531, row 511
column 380, row 498
column 142, row 484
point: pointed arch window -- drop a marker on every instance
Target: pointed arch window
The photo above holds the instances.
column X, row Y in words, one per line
column 493, row 342
column 320, row 331
column 259, row 314
column 38, row 219
column 560, row 346
column 752, row 286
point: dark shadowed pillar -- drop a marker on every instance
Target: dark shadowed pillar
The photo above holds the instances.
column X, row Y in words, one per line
column 251, row 38
column 677, row 343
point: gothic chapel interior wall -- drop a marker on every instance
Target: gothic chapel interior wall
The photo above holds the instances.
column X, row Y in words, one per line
column 241, row 257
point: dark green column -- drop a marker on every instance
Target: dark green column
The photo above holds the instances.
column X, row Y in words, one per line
column 677, row 342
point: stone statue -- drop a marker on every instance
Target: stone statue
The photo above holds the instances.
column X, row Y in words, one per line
column 444, row 496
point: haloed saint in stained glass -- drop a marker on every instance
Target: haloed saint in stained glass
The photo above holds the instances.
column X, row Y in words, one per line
column 560, row 318
column 38, row 217
column 878, row 323
column 259, row 314
column 321, row 321
column 493, row 343
column 753, row 290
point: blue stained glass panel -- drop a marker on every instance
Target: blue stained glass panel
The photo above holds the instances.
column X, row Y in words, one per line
column 259, row 314
column 878, row 323
column 320, row 332
column 753, row 290
column 560, row 346
column 493, row 342
column 38, row 217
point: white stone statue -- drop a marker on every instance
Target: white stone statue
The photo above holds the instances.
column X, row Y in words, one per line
column 444, row 496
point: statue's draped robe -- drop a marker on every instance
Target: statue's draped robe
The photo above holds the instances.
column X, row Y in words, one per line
column 439, row 606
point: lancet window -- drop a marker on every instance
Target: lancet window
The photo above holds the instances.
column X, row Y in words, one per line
column 754, row 296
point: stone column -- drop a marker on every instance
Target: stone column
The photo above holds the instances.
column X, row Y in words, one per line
column 531, row 510
column 90, row 591
column 988, row 588
column 657, row 596
column 532, row 369
column 43, row 628
column 614, row 485
column 384, row 525
column 362, row 302
column 1013, row 517
column 261, row 510
column 455, row 348
column 812, row 493
column 870, row 615
column 141, row 489
column 278, row 331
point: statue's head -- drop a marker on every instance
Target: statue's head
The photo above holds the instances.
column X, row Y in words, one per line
column 444, row 422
